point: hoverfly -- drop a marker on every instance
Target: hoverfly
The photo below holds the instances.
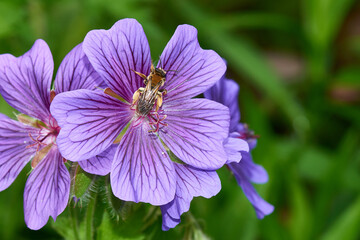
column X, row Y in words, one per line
column 147, row 97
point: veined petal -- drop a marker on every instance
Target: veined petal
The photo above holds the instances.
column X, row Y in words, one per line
column 226, row 91
column 117, row 52
column 46, row 191
column 14, row 137
column 190, row 69
column 190, row 182
column 196, row 131
column 233, row 146
column 100, row 164
column 262, row 208
column 25, row 81
column 76, row 72
column 89, row 120
column 142, row 170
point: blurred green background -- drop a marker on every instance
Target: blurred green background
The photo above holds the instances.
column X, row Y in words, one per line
column 298, row 65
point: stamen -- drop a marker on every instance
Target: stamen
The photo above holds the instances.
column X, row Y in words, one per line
column 140, row 119
column 157, row 121
column 45, row 136
column 37, row 143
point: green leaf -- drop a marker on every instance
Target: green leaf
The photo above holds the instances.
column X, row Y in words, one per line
column 346, row 227
column 108, row 231
column 323, row 19
column 301, row 220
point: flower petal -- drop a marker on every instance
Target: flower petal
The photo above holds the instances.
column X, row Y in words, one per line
column 75, row 72
column 254, row 172
column 190, row 183
column 46, row 191
column 226, row 91
column 142, row 170
column 25, row 81
column 262, row 208
column 100, row 164
column 89, row 120
column 116, row 52
column 190, row 69
column 233, row 146
column 3, row 116
column 196, row 131
column 14, row 137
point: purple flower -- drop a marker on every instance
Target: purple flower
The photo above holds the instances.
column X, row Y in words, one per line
column 160, row 116
column 25, row 84
column 245, row 171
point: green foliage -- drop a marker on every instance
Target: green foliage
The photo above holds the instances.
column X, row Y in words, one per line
column 81, row 182
column 308, row 121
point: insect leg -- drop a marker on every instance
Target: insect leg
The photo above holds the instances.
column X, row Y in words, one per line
column 159, row 100
column 140, row 74
column 137, row 94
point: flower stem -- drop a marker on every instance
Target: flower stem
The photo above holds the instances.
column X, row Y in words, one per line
column 90, row 212
column 95, row 209
column 73, row 216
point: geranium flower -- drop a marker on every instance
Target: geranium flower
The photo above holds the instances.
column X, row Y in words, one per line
column 25, row 84
column 161, row 119
column 245, row 171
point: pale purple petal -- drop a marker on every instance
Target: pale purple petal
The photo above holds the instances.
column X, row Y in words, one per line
column 5, row 60
column 254, row 172
column 174, row 208
column 233, row 146
column 25, row 81
column 46, row 191
column 14, row 137
column 226, row 91
column 196, row 131
column 190, row 69
column 75, row 72
column 262, row 208
column 190, row 183
column 116, row 52
column 142, row 170
column 100, row 164
column 3, row 116
column 90, row 121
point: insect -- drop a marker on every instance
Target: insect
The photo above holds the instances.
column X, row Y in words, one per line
column 147, row 97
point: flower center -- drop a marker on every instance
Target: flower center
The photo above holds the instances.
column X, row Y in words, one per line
column 154, row 118
column 43, row 139
column 247, row 134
